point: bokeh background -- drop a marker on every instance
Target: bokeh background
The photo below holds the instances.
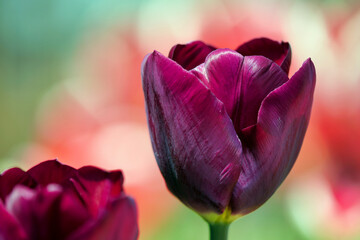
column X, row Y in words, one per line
column 70, row 88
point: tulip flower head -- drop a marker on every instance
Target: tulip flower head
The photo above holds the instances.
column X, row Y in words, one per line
column 226, row 126
column 55, row 201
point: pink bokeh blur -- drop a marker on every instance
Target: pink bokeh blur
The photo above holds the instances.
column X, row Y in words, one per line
column 96, row 116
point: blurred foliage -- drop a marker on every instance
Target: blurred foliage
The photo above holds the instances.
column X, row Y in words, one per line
column 37, row 40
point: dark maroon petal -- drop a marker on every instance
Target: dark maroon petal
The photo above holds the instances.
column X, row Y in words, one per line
column 72, row 214
column 10, row 228
column 222, row 70
column 191, row 134
column 12, row 177
column 98, row 187
column 242, row 83
column 118, row 223
column 96, row 175
column 278, row 52
column 47, row 213
column 51, row 171
column 190, row 55
column 275, row 141
column 22, row 203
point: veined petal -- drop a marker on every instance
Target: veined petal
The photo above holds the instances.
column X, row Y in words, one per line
column 222, row 71
column 193, row 138
column 51, row 171
column 242, row 83
column 98, row 187
column 28, row 210
column 47, row 213
column 190, row 55
column 119, row 222
column 275, row 141
column 280, row 53
column 10, row 227
column 12, row 177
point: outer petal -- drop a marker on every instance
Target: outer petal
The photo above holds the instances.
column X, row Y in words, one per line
column 242, row 83
column 47, row 213
column 278, row 52
column 10, row 228
column 193, row 138
column 12, row 177
column 190, row 55
column 97, row 187
column 118, row 223
column 51, row 171
column 275, row 141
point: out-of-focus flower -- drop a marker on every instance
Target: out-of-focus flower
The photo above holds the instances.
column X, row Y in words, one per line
column 224, row 26
column 334, row 45
column 329, row 207
column 339, row 126
column 56, row 201
column 226, row 126
column 325, row 203
column 96, row 117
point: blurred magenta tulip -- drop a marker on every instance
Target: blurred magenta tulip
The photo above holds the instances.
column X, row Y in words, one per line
column 55, row 201
column 226, row 126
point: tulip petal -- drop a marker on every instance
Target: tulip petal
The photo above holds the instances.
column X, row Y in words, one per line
column 10, row 228
column 47, row 213
column 72, row 214
column 51, row 171
column 221, row 73
column 29, row 210
column 190, row 55
column 242, row 83
column 191, row 134
column 275, row 141
column 97, row 187
column 280, row 53
column 12, row 177
column 118, row 223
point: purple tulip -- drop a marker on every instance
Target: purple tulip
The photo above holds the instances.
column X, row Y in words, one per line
column 55, row 201
column 226, row 126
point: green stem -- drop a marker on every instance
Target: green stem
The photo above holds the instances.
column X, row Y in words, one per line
column 218, row 231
